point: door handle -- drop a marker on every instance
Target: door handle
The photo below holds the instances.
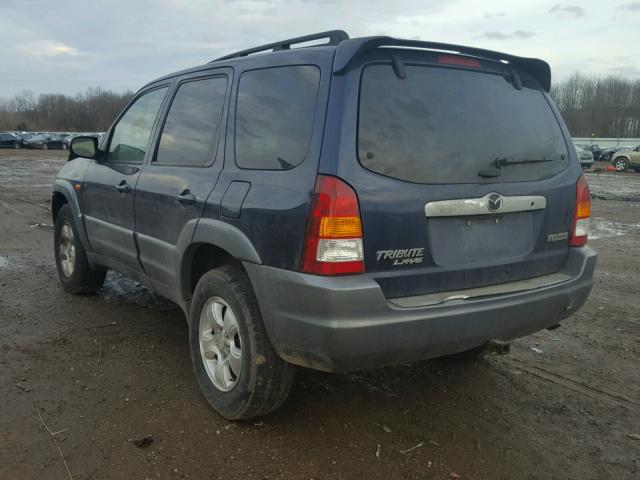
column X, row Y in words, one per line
column 186, row 197
column 123, row 187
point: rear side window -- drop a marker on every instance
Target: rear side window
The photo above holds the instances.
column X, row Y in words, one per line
column 445, row 125
column 191, row 130
column 274, row 116
column 130, row 139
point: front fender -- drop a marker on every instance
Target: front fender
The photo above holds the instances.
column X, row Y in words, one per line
column 65, row 188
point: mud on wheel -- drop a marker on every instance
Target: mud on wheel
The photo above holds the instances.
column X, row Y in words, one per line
column 74, row 271
column 238, row 371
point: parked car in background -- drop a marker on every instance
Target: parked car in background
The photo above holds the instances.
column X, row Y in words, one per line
column 593, row 148
column 627, row 158
column 607, row 153
column 585, row 157
column 44, row 141
column 23, row 136
column 9, row 140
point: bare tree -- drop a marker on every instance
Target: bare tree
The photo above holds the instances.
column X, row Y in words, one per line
column 599, row 106
column 93, row 110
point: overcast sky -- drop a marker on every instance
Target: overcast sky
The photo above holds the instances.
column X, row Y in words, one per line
column 69, row 45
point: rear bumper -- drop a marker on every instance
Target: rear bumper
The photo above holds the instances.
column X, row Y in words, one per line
column 346, row 323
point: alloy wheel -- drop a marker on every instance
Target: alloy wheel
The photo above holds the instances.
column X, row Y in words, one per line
column 67, row 250
column 220, row 344
column 620, row 164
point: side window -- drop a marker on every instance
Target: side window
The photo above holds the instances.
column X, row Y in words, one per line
column 274, row 117
column 130, row 138
column 190, row 133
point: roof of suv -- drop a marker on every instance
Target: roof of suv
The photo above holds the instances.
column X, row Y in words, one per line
column 346, row 49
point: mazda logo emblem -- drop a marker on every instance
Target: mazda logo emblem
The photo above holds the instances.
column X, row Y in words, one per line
column 494, row 202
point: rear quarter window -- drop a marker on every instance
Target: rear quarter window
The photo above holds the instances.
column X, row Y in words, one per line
column 444, row 125
column 274, row 116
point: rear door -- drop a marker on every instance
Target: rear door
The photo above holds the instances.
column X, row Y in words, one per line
column 464, row 176
column 174, row 186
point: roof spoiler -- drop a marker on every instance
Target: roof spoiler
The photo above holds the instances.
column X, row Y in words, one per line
column 347, row 50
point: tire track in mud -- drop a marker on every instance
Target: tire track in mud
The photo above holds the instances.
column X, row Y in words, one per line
column 611, row 398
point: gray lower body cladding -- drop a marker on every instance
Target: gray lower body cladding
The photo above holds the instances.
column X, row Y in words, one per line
column 346, row 323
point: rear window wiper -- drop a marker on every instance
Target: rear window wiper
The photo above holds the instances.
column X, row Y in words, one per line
column 498, row 163
column 503, row 162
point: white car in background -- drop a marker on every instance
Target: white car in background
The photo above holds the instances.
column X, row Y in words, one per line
column 585, row 157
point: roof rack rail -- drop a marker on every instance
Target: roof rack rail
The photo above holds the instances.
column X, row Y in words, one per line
column 334, row 36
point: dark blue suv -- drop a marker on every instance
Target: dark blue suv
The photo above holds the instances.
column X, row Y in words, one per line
column 336, row 204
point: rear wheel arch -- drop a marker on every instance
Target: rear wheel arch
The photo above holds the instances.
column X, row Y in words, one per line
column 198, row 259
column 214, row 243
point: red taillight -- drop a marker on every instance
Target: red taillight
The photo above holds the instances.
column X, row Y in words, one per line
column 582, row 214
column 458, row 60
column 333, row 240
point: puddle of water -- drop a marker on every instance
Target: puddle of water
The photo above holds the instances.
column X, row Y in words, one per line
column 118, row 288
column 601, row 228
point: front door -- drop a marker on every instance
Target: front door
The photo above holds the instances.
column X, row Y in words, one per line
column 174, row 185
column 108, row 191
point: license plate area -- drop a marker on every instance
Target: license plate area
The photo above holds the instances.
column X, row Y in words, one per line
column 473, row 239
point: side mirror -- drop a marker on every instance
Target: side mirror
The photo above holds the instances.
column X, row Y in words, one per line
column 85, row 147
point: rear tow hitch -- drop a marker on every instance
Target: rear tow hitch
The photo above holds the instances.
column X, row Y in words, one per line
column 498, row 347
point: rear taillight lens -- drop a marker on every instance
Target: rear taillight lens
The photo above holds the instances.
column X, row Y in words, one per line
column 582, row 214
column 333, row 240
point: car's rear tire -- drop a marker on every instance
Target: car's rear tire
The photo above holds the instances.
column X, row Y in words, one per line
column 239, row 373
column 74, row 271
column 621, row 164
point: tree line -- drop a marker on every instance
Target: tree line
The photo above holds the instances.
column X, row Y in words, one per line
column 591, row 105
column 91, row 111
column 599, row 106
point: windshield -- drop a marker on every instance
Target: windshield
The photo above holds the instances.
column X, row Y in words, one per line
column 445, row 125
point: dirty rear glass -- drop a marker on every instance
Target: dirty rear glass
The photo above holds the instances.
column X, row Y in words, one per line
column 445, row 125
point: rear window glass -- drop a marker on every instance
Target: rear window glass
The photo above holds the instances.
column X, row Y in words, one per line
column 274, row 118
column 445, row 125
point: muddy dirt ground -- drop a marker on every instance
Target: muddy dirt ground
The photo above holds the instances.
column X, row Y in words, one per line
column 107, row 369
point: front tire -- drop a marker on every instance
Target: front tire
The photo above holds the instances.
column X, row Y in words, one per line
column 621, row 164
column 74, row 271
column 239, row 373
